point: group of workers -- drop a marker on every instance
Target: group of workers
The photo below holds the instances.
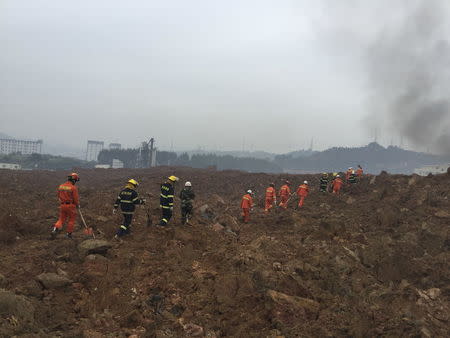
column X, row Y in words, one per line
column 128, row 198
column 334, row 182
column 126, row 201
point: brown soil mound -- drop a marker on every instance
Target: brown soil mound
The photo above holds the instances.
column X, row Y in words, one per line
column 373, row 261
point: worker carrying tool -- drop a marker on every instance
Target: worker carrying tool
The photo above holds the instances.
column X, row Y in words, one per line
column 271, row 198
column 166, row 199
column 359, row 171
column 246, row 206
column 302, row 192
column 187, row 196
column 285, row 194
column 348, row 173
column 69, row 202
column 337, row 184
column 127, row 200
column 324, row 182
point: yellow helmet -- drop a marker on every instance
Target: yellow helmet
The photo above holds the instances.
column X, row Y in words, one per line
column 133, row 182
column 173, row 178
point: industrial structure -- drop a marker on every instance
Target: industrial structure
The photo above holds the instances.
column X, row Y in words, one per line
column 115, row 146
column 146, row 157
column 25, row 147
column 93, row 149
column 432, row 169
column 11, row 166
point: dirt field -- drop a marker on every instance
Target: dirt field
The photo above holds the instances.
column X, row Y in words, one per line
column 371, row 262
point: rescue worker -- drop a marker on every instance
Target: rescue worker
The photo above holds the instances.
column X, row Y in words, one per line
column 359, row 171
column 337, row 184
column 332, row 180
column 166, row 199
column 127, row 200
column 324, row 182
column 352, row 178
column 302, row 192
column 69, row 202
column 187, row 196
column 348, row 173
column 246, row 206
column 285, row 194
column 271, row 198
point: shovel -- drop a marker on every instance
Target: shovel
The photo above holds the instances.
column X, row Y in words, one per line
column 87, row 231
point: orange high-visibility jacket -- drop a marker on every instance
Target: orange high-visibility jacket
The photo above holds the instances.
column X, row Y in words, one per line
column 68, row 193
column 285, row 190
column 359, row 172
column 270, row 193
column 247, row 202
column 303, row 190
column 337, row 183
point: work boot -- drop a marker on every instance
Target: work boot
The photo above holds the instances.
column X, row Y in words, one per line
column 69, row 235
column 54, row 233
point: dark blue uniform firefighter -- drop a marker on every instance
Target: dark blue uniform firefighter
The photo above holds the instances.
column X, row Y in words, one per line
column 166, row 200
column 127, row 200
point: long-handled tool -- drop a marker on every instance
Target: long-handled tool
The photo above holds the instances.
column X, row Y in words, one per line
column 147, row 211
column 87, row 231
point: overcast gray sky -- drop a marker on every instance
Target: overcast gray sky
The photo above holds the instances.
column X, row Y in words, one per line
column 200, row 72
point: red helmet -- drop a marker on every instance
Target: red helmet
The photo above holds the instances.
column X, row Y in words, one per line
column 74, row 177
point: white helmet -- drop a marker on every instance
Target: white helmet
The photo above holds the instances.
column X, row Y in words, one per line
column 305, row 182
column 350, row 168
column 338, row 175
column 188, row 184
column 249, row 191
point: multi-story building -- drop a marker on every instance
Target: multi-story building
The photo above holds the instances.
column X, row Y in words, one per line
column 93, row 149
column 115, row 146
column 25, row 147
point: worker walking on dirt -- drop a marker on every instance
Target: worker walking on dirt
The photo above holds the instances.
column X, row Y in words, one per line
column 337, row 184
column 127, row 200
column 324, row 182
column 302, row 192
column 352, row 178
column 166, row 199
column 69, row 202
column 187, row 196
column 271, row 198
column 359, row 172
column 246, row 206
column 348, row 173
column 285, row 194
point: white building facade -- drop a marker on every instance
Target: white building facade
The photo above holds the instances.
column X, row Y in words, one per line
column 432, row 169
column 25, row 147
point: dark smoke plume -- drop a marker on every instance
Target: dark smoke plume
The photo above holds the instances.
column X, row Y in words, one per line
column 409, row 75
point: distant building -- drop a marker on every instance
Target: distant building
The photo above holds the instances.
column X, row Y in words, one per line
column 25, row 147
column 93, row 149
column 11, row 166
column 117, row 164
column 102, row 166
column 432, row 169
column 115, row 146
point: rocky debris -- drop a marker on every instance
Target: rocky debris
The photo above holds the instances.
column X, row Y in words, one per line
column 373, row 180
column 94, row 246
column 218, row 227
column 206, row 212
column 277, row 266
column 95, row 266
column 298, row 303
column 102, row 219
column 52, row 280
column 442, row 214
column 190, row 329
column 17, row 306
column 3, row 281
column 350, row 200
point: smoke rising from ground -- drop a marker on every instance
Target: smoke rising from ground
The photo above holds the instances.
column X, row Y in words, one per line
column 409, row 76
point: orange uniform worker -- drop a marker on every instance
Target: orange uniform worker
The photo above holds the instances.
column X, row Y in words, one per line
column 359, row 171
column 246, row 205
column 271, row 198
column 337, row 184
column 69, row 199
column 285, row 193
column 302, row 192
